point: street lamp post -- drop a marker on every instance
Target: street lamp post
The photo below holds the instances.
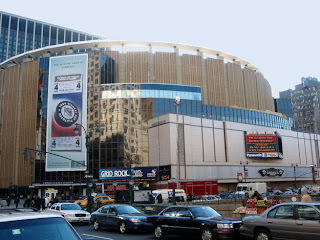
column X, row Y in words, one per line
column 176, row 102
column 115, row 191
column 131, row 182
column 77, row 130
column 294, row 165
column 245, row 170
column 173, row 180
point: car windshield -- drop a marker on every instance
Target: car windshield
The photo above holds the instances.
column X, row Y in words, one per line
column 70, row 207
column 37, row 229
column 127, row 210
column 204, row 211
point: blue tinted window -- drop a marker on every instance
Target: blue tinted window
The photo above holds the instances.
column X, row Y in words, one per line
column 53, row 37
column 60, row 36
column 189, row 111
column 223, row 116
column 22, row 33
column 75, row 37
column 29, row 43
column 155, row 107
column 45, row 38
column 68, row 36
column 227, row 114
column 183, row 107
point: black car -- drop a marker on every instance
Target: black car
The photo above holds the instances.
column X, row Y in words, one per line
column 187, row 220
column 119, row 216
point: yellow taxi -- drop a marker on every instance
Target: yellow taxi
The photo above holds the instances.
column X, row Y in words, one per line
column 83, row 201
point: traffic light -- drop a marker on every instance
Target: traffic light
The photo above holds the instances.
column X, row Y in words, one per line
column 25, row 154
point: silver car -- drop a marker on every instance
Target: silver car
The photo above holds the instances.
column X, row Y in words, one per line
column 295, row 220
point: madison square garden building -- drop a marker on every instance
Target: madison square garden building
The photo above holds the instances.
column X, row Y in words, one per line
column 122, row 93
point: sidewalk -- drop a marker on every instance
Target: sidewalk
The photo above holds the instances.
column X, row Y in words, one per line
column 12, row 205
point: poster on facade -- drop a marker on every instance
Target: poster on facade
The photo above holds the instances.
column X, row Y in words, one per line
column 67, row 104
column 259, row 145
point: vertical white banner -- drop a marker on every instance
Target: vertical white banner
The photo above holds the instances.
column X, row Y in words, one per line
column 67, row 106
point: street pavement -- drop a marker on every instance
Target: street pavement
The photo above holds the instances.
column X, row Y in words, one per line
column 88, row 233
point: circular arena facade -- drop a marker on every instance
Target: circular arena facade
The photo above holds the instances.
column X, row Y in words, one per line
column 210, row 84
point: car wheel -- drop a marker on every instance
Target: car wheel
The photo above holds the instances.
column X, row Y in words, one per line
column 207, row 234
column 123, row 227
column 262, row 234
column 96, row 225
column 158, row 232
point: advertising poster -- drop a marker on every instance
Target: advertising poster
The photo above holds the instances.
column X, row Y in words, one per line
column 67, row 104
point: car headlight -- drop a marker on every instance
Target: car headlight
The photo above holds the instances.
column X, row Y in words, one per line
column 134, row 220
column 88, row 214
column 224, row 225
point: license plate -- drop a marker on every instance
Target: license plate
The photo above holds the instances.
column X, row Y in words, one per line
column 81, row 219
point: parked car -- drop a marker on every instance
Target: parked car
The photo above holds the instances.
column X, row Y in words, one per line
column 235, row 195
column 72, row 212
column 295, row 220
column 83, row 201
column 122, row 217
column 208, row 198
column 35, row 226
column 193, row 220
column 223, row 194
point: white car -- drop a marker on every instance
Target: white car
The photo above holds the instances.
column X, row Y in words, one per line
column 71, row 212
column 35, row 226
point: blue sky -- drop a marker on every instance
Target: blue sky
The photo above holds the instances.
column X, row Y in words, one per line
column 281, row 38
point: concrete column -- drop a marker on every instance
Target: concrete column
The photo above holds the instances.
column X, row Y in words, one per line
column 122, row 66
column 179, row 66
column 151, row 66
column 204, row 90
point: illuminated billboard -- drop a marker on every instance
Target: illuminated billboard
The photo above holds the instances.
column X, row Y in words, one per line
column 259, row 145
column 67, row 106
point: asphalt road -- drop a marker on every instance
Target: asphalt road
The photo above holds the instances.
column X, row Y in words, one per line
column 88, row 233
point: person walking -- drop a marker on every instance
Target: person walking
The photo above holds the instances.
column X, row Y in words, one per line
column 27, row 202
column 37, row 202
column 17, row 201
column 8, row 201
column 305, row 196
column 43, row 203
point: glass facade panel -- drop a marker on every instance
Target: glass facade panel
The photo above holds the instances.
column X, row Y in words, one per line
column 60, row 36
column 45, row 39
column 37, row 37
column 4, row 37
column 68, row 36
column 30, row 29
column 13, row 37
column 53, row 37
column 75, row 37
column 21, row 36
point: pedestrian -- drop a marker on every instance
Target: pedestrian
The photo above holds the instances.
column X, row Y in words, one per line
column 245, row 199
column 256, row 196
column 16, row 201
column 37, row 202
column 43, row 203
column 8, row 201
column 159, row 198
column 305, row 196
column 27, row 202
column 55, row 200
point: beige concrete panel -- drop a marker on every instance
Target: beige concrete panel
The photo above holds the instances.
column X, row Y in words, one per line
column 216, row 83
column 208, row 144
column 261, row 92
column 192, row 70
column 219, row 145
column 26, row 119
column 250, row 88
column 165, row 68
column 137, row 67
column 235, row 85
column 8, row 127
column 268, row 95
column 236, row 146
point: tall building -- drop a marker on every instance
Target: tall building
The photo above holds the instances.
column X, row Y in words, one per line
column 305, row 104
column 20, row 34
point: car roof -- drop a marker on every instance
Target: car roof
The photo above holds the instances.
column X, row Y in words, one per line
column 300, row 203
column 18, row 216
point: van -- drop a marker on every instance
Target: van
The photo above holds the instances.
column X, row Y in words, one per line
column 167, row 195
column 251, row 188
